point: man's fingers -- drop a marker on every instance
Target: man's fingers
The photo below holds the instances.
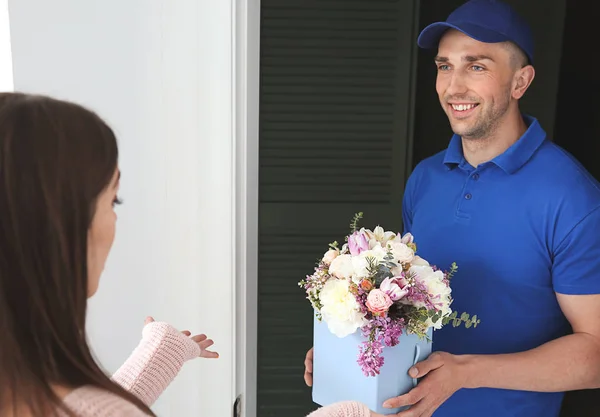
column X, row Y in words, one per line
column 418, row 410
column 148, row 320
column 410, row 398
column 308, row 365
column 429, row 411
column 308, row 378
column 186, row 332
column 308, row 368
column 308, row 362
column 421, row 369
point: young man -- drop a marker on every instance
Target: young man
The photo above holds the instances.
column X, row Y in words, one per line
column 520, row 217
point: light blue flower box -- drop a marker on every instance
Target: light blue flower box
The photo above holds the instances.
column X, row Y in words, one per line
column 338, row 377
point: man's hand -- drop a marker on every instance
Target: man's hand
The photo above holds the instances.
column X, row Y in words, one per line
column 443, row 374
column 308, row 367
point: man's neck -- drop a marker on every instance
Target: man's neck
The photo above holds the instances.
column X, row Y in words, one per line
column 508, row 131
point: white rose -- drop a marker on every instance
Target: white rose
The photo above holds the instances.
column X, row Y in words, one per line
column 401, row 253
column 330, row 255
column 340, row 309
column 437, row 287
column 360, row 262
column 417, row 260
column 341, row 267
column 422, row 271
column 434, row 282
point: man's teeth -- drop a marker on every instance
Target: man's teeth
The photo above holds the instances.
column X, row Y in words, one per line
column 463, row 107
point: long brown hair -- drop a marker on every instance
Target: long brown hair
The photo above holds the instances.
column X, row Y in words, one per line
column 56, row 157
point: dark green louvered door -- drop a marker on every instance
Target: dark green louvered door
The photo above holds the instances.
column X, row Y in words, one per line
column 335, row 128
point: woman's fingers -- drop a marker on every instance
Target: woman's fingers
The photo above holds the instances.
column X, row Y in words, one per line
column 204, row 342
column 199, row 338
column 209, row 354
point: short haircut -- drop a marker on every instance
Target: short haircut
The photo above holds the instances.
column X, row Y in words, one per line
column 518, row 58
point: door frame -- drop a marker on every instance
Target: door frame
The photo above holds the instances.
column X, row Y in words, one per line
column 246, row 27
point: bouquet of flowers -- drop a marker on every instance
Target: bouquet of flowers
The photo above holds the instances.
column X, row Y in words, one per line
column 377, row 283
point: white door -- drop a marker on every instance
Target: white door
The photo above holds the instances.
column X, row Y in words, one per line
column 178, row 81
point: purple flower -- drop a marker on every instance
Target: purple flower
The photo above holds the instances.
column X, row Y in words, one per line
column 369, row 357
column 357, row 243
column 380, row 332
column 418, row 295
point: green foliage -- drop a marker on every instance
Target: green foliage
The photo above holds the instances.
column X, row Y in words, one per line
column 372, row 267
column 312, row 296
column 355, row 220
column 464, row 318
column 453, row 270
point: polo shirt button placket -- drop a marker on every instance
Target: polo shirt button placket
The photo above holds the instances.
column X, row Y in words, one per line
column 474, row 177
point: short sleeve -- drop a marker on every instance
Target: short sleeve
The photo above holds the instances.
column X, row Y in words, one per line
column 576, row 263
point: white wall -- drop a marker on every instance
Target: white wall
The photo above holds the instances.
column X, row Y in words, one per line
column 6, row 78
column 161, row 72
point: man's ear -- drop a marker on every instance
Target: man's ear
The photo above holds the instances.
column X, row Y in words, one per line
column 522, row 80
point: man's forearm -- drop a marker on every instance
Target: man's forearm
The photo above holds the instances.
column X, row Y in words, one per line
column 568, row 363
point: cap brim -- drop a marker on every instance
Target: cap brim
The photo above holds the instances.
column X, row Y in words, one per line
column 430, row 36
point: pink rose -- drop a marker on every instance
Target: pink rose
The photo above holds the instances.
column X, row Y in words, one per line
column 378, row 302
column 330, row 255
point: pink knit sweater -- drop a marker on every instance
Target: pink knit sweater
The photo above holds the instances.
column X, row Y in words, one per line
column 151, row 368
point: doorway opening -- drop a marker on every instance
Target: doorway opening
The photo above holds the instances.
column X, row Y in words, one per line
column 343, row 87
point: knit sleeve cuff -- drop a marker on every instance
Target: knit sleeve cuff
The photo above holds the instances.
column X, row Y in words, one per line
column 156, row 361
column 342, row 409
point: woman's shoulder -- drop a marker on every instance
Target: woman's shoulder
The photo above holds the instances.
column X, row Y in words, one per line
column 90, row 401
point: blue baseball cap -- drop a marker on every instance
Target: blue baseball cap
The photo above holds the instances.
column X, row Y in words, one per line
column 486, row 21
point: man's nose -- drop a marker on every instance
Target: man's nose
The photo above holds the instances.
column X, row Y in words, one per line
column 457, row 85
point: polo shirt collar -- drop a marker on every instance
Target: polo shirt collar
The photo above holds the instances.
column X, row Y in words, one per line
column 513, row 158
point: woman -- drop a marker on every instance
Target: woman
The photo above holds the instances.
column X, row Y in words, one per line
column 59, row 185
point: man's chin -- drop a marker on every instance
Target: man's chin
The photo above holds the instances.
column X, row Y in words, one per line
column 460, row 129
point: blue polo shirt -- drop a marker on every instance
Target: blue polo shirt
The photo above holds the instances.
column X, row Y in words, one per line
column 521, row 228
